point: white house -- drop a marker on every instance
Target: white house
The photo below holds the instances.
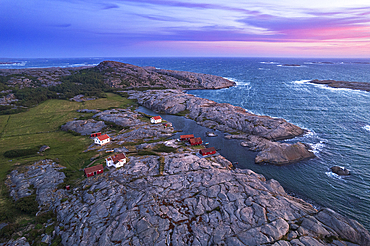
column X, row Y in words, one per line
column 101, row 140
column 156, row 119
column 116, row 160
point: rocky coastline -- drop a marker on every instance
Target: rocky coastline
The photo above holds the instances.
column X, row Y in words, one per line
column 173, row 198
column 259, row 133
column 178, row 197
column 363, row 86
column 194, row 201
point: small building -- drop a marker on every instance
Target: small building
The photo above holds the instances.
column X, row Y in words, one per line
column 208, row 151
column 186, row 137
column 156, row 119
column 116, row 160
column 195, row 141
column 101, row 140
column 95, row 170
column 96, row 134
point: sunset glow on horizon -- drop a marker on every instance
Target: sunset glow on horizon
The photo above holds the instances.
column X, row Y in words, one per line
column 80, row 28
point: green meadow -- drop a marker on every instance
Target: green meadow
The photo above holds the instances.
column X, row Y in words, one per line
column 40, row 125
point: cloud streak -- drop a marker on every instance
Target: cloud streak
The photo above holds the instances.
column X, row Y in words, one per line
column 115, row 25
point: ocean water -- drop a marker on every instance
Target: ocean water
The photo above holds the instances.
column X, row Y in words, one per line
column 338, row 120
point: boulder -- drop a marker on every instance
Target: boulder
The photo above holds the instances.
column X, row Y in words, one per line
column 84, row 127
column 43, row 148
column 340, row 170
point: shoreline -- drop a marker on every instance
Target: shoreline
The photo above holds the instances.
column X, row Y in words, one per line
column 362, row 86
column 217, row 143
column 208, row 122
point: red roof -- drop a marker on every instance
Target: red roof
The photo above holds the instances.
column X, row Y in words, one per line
column 195, row 141
column 94, row 168
column 103, row 137
column 117, row 158
column 208, row 150
column 187, row 136
column 157, row 117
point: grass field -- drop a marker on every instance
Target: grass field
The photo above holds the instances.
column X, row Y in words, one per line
column 41, row 126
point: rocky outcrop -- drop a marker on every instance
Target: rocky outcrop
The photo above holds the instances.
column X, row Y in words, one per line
column 84, row 127
column 180, row 199
column 340, row 170
column 145, row 133
column 44, row 176
column 274, row 152
column 363, row 86
column 221, row 116
column 261, row 131
column 121, row 75
column 196, row 201
column 121, row 117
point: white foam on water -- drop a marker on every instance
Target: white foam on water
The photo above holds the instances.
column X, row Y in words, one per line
column 305, row 81
column 326, row 87
column 238, row 82
column 317, row 147
column 333, row 175
column 15, row 64
column 367, row 128
column 269, row 62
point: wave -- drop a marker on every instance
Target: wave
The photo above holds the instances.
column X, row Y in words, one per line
column 326, row 87
column 269, row 62
column 238, row 82
column 305, row 81
column 367, row 127
column 333, row 175
column 317, row 147
column 81, row 65
column 13, row 64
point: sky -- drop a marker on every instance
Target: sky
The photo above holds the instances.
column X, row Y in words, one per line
column 187, row 28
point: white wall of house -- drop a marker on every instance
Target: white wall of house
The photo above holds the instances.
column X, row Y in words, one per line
column 153, row 121
column 117, row 165
column 97, row 141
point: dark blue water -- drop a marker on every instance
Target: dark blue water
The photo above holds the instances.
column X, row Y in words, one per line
column 338, row 119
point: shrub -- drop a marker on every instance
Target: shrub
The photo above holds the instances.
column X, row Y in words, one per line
column 146, row 152
column 164, row 148
column 44, row 217
column 21, row 152
column 8, row 230
column 28, row 204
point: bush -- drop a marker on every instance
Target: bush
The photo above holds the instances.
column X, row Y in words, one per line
column 28, row 204
column 146, row 152
column 8, row 230
column 21, row 152
column 44, row 217
column 164, row 148
column 57, row 241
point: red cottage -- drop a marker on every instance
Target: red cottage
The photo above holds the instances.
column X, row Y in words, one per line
column 156, row 119
column 96, row 134
column 208, row 151
column 195, row 141
column 95, row 170
column 186, row 137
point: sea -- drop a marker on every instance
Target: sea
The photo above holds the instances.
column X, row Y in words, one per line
column 337, row 120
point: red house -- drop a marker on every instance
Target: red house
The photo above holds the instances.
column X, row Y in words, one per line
column 95, row 170
column 101, row 140
column 195, row 141
column 208, row 151
column 156, row 119
column 96, row 134
column 186, row 137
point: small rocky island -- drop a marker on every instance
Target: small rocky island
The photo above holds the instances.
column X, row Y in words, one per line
column 363, row 86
